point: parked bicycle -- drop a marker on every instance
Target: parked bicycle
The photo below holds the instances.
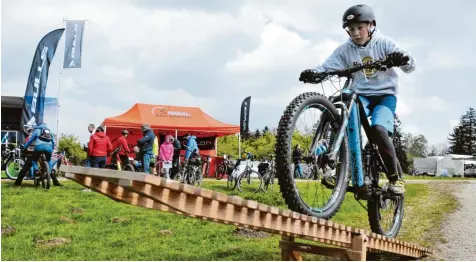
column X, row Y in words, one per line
column 226, row 167
column 192, row 171
column 336, row 146
column 267, row 169
column 248, row 180
column 116, row 162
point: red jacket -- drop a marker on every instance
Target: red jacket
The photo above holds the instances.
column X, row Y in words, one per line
column 122, row 142
column 99, row 145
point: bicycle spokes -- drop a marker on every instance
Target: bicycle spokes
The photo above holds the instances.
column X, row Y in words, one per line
column 314, row 135
column 388, row 213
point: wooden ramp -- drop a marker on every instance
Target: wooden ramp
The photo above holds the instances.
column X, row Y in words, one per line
column 170, row 196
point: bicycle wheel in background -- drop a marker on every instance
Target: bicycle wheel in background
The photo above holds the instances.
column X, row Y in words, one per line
column 250, row 181
column 45, row 174
column 13, row 167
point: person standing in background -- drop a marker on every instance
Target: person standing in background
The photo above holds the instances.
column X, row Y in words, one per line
column 166, row 153
column 99, row 147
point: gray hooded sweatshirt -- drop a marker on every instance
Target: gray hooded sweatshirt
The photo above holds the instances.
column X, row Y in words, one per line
column 368, row 82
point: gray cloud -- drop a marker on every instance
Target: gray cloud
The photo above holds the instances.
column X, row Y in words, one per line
column 180, row 52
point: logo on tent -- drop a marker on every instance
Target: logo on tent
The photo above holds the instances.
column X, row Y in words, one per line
column 164, row 112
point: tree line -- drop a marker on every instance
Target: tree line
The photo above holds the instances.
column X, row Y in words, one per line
column 261, row 142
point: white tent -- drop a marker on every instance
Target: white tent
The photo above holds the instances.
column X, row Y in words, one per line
column 426, row 165
column 452, row 165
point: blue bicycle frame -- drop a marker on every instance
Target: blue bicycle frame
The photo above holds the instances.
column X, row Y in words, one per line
column 352, row 115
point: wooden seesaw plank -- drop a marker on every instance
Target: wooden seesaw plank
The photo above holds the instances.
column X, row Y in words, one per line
column 171, row 196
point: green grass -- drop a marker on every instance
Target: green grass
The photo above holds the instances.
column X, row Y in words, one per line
column 35, row 214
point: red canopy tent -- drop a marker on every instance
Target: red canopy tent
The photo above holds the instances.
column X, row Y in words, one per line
column 170, row 120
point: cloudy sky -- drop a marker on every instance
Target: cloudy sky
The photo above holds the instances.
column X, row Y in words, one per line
column 212, row 54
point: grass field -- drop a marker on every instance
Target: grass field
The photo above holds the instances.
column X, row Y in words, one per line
column 98, row 228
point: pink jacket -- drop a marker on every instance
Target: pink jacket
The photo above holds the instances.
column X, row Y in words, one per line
column 166, row 151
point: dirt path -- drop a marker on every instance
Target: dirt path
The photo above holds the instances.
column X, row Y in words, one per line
column 460, row 228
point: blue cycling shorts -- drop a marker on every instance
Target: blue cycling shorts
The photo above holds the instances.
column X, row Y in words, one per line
column 381, row 110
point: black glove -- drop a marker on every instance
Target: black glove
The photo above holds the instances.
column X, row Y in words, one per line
column 309, row 76
column 397, row 59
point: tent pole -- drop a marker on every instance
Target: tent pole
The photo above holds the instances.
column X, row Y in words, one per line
column 105, row 128
column 175, row 133
column 216, row 146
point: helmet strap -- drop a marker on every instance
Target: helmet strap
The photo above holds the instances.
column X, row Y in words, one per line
column 371, row 32
column 370, row 36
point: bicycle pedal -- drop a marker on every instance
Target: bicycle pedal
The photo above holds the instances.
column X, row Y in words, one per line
column 362, row 193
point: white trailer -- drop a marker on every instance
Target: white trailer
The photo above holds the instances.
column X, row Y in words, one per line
column 425, row 166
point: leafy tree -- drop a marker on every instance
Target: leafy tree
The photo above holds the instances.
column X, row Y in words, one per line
column 416, row 146
column 400, row 148
column 228, row 145
column 265, row 130
column 257, row 134
column 71, row 145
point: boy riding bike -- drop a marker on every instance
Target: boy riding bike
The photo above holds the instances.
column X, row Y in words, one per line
column 377, row 89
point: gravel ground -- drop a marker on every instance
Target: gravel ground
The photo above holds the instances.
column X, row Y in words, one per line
column 460, row 231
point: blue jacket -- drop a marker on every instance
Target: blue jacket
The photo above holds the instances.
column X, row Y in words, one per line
column 191, row 145
column 40, row 145
column 145, row 143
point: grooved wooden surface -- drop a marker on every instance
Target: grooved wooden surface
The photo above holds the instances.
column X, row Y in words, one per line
column 171, row 196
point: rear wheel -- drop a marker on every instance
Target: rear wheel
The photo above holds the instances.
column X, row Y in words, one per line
column 311, row 120
column 45, row 175
column 231, row 182
column 220, row 171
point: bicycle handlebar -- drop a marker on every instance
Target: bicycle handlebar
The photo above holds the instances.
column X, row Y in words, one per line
column 378, row 64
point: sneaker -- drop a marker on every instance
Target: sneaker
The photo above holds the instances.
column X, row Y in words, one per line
column 58, row 184
column 396, row 187
column 329, row 181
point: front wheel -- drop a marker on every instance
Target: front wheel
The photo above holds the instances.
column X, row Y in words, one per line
column 250, row 181
column 13, row 167
column 312, row 121
column 198, row 177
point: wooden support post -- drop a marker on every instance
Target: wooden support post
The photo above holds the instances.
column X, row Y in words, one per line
column 287, row 251
column 358, row 251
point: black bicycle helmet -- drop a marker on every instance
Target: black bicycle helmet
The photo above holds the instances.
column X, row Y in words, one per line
column 358, row 13
column 100, row 129
column 125, row 132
